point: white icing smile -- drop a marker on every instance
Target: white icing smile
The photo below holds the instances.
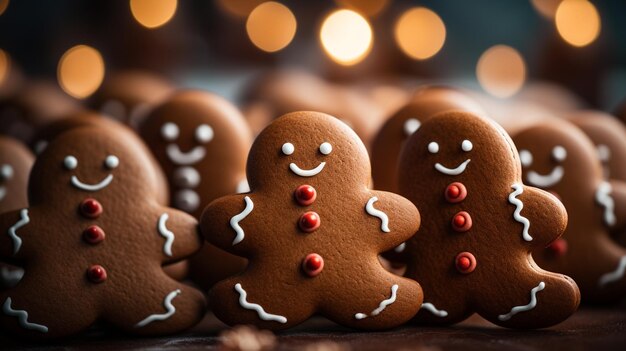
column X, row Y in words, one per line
column 306, row 172
column 452, row 171
column 545, row 181
column 191, row 157
column 89, row 187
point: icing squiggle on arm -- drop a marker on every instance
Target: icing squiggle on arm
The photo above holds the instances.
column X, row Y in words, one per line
column 256, row 307
column 518, row 189
column 167, row 303
column 533, row 302
column 384, row 220
column 166, row 233
column 603, row 197
column 22, row 317
column 383, row 304
column 432, row 309
column 234, row 222
column 616, row 275
column 17, row 241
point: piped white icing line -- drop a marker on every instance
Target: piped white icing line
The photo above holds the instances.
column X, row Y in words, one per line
column 10, row 277
column 306, row 172
column 545, row 181
column 95, row 187
column 616, row 275
column 604, row 198
column 166, row 233
column 167, row 303
column 22, row 317
column 256, row 307
column 384, row 220
column 400, row 248
column 519, row 206
column 383, row 304
column 533, row 302
column 234, row 222
column 432, row 309
column 17, row 241
column 178, row 157
column 452, row 171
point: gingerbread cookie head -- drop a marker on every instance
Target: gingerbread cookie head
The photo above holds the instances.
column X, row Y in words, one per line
column 312, row 231
column 388, row 143
column 15, row 164
column 479, row 226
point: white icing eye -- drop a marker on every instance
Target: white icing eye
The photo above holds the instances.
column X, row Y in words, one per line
column 288, row 149
column 433, row 147
column 6, row 172
column 604, row 153
column 170, row 131
column 111, row 162
column 411, row 126
column 326, row 148
column 559, row 153
column 526, row 158
column 70, row 162
column 467, row 146
column 204, row 133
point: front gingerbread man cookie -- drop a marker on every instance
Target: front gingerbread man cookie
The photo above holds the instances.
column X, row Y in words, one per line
column 480, row 224
column 92, row 244
column 312, row 231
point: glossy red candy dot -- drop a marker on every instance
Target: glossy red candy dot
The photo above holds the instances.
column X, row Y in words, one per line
column 309, row 221
column 93, row 235
column 91, row 208
column 462, row 221
column 313, row 264
column 465, row 262
column 559, row 247
column 455, row 192
column 96, row 274
column 305, row 195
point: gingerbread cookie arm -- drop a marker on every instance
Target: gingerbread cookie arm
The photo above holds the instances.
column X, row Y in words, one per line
column 225, row 223
column 180, row 234
column 611, row 196
column 395, row 218
column 12, row 228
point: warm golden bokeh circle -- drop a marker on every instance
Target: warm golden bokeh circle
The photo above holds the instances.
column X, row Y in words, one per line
column 546, row 8
column 367, row 7
column 238, row 8
column 5, row 66
column 3, row 6
column 420, row 33
column 578, row 22
column 271, row 26
column 346, row 36
column 153, row 13
column 80, row 71
column 501, row 71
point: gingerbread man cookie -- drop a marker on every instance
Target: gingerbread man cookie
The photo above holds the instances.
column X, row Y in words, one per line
column 312, row 231
column 92, row 242
column 558, row 157
column 479, row 225
column 388, row 143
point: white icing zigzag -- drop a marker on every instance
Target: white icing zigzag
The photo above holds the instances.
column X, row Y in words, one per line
column 22, row 317
column 166, row 233
column 383, row 304
column 533, row 302
column 256, row 307
column 234, row 222
column 369, row 208
column 616, row 275
column 432, row 309
column 17, row 241
column 167, row 303
column 603, row 197
column 519, row 206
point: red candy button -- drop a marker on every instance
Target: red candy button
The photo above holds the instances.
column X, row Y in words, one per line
column 461, row 222
column 558, row 248
column 96, row 274
column 465, row 262
column 93, row 235
column 455, row 192
column 305, row 195
column 91, row 208
column 313, row 264
column 309, row 222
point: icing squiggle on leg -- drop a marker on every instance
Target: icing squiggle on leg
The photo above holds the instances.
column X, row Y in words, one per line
column 384, row 220
column 256, row 307
column 17, row 241
column 616, row 275
column 234, row 222
column 167, row 303
column 432, row 309
column 166, row 233
column 383, row 304
column 518, row 189
column 604, row 198
column 533, row 302
column 22, row 317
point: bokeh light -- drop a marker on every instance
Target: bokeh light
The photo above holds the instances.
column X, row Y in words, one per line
column 271, row 26
column 420, row 33
column 5, row 66
column 153, row 13
column 501, row 71
column 238, row 8
column 3, row 6
column 346, row 37
column 367, row 7
column 80, row 71
column 578, row 22
column 546, row 8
